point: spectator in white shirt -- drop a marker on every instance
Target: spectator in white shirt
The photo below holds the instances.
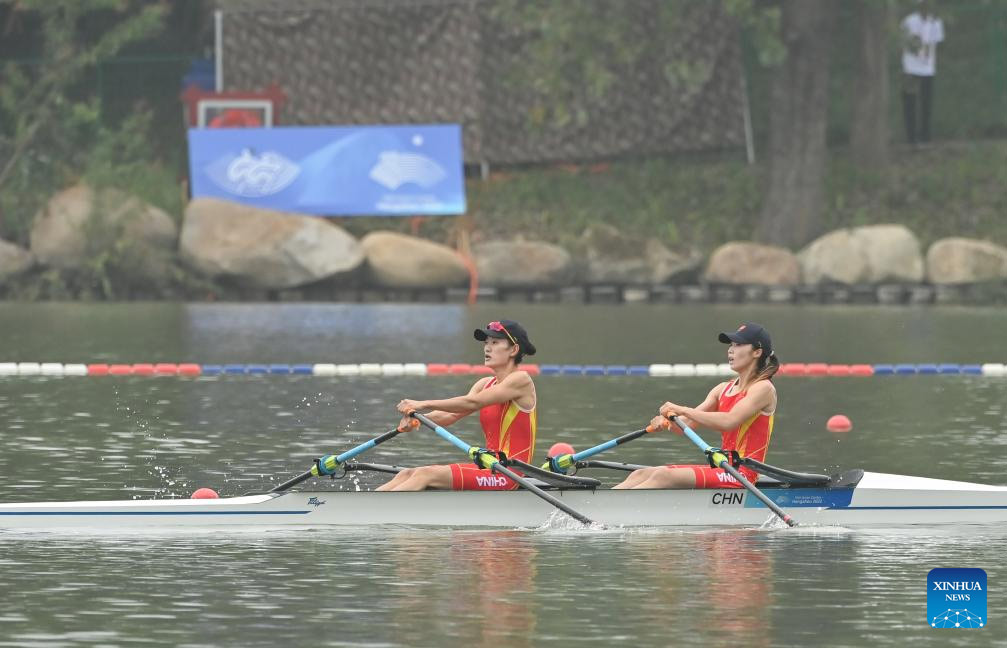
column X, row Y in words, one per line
column 922, row 30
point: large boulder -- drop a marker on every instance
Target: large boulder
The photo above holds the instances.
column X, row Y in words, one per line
column 522, row 264
column 78, row 223
column 869, row 254
column 14, row 260
column 402, row 261
column 962, row 261
column 612, row 257
column 741, row 262
column 263, row 248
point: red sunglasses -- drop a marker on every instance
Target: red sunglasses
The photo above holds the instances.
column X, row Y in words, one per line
column 500, row 328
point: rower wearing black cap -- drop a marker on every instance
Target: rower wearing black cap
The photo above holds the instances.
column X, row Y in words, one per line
column 506, row 403
column 742, row 410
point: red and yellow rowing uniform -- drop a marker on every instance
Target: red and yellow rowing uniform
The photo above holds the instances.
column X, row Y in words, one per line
column 508, row 428
column 750, row 439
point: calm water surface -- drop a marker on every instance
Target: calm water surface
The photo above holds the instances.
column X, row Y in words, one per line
column 76, row 438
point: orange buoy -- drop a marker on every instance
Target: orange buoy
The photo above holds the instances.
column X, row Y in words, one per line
column 839, row 423
column 205, row 493
column 560, row 448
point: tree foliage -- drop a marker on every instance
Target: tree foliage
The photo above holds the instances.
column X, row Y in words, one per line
column 50, row 120
column 574, row 51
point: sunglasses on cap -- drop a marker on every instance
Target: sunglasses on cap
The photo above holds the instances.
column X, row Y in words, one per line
column 500, row 328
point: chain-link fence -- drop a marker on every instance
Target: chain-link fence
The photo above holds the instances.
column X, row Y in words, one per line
column 345, row 65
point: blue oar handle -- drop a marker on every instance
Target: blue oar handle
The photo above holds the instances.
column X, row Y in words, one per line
column 598, row 449
column 442, row 433
column 560, row 463
column 329, row 464
column 715, row 456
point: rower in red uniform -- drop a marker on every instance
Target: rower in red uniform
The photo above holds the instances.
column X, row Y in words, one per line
column 742, row 410
column 506, row 403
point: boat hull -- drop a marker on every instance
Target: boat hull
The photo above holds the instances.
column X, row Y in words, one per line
column 877, row 500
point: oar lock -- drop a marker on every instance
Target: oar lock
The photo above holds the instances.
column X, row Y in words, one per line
column 328, row 465
column 561, row 464
column 717, row 455
column 484, row 458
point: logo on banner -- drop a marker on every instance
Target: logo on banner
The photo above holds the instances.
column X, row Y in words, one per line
column 956, row 598
column 254, row 176
column 395, row 169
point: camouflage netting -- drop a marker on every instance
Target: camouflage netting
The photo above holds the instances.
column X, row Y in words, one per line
column 344, row 62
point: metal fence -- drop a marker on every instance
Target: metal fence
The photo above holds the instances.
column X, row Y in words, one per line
column 445, row 61
column 351, row 63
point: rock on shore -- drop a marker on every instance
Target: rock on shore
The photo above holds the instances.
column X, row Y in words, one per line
column 522, row 264
column 14, row 260
column 612, row 257
column 863, row 255
column 958, row 260
column 741, row 262
column 79, row 223
column 264, row 248
column 402, row 261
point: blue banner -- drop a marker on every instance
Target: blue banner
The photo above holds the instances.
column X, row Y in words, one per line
column 332, row 170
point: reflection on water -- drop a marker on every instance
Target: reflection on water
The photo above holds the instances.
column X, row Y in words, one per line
column 476, row 587
column 74, row 438
column 402, row 587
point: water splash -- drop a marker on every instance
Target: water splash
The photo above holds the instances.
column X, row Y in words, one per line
column 773, row 523
column 560, row 521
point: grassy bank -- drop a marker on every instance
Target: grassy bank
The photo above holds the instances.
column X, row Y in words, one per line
column 948, row 189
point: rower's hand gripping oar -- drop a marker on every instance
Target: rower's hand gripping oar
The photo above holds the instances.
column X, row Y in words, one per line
column 329, row 464
column 560, row 463
column 719, row 460
column 489, row 462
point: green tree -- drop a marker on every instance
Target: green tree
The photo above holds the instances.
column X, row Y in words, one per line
column 575, row 49
column 869, row 132
column 49, row 118
column 793, row 208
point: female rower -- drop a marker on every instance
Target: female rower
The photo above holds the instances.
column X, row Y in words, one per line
column 506, row 403
column 742, row 410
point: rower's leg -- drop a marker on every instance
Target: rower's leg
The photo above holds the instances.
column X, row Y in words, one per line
column 423, row 478
column 394, row 482
column 637, row 477
column 665, row 477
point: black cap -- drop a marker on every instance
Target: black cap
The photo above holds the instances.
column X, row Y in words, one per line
column 507, row 330
column 749, row 333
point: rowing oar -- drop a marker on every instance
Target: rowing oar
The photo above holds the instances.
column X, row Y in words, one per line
column 490, row 462
column 328, row 464
column 720, row 460
column 560, row 463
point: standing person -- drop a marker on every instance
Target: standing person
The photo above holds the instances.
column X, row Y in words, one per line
column 922, row 30
column 507, row 406
column 742, row 410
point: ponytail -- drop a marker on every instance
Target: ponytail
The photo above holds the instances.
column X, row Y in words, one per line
column 767, row 367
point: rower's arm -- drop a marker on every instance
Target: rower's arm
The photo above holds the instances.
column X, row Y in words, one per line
column 669, row 408
column 513, row 387
column 758, row 399
column 444, row 417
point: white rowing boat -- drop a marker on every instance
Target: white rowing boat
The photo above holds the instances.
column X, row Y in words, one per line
column 853, row 499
